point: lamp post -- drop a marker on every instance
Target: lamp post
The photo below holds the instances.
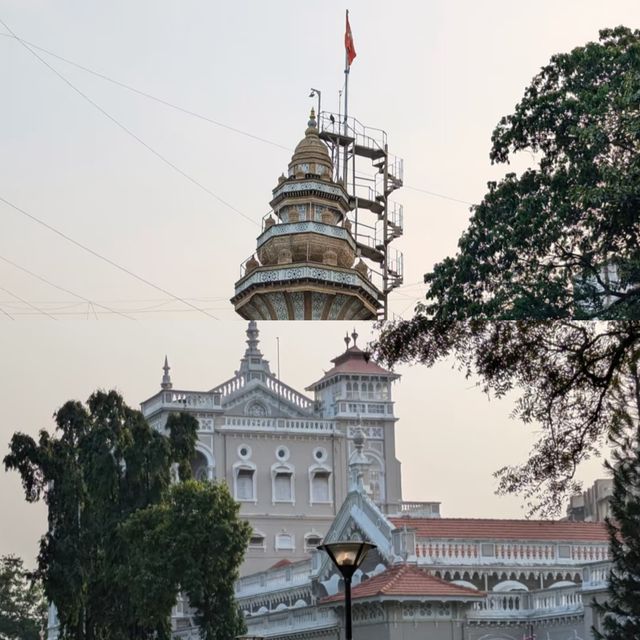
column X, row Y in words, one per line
column 316, row 92
column 347, row 557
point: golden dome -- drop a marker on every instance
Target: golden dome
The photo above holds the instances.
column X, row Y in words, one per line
column 311, row 155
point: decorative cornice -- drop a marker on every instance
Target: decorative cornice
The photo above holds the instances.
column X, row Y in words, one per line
column 289, row 273
column 292, row 228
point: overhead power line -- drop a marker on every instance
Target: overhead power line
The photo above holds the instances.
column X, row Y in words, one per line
column 189, row 112
column 17, row 297
column 166, row 103
column 56, row 286
column 104, row 258
column 126, row 129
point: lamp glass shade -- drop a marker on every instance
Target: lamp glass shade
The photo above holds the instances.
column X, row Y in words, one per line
column 348, row 555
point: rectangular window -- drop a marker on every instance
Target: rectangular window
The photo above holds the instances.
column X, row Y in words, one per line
column 282, row 488
column 244, row 484
column 320, row 487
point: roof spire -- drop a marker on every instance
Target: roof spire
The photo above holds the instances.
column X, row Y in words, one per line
column 253, row 359
column 347, row 340
column 358, row 461
column 166, row 378
column 253, row 339
column 354, row 335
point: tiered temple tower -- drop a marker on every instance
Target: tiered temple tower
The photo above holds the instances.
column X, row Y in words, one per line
column 307, row 265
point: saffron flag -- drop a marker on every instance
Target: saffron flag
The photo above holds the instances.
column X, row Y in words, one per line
column 348, row 43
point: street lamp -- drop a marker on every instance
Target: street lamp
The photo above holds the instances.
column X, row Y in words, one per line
column 347, row 557
column 313, row 93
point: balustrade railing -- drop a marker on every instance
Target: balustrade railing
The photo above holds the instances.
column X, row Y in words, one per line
column 273, row 624
column 529, row 604
column 280, row 424
column 274, row 579
column 289, row 394
column 181, row 401
column 507, row 553
column 596, row 575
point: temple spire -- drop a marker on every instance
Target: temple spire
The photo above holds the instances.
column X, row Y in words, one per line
column 166, row 378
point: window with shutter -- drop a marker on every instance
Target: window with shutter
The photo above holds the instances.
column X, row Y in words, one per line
column 320, row 487
column 282, row 487
column 244, row 484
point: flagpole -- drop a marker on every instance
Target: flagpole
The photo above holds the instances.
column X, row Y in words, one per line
column 346, row 107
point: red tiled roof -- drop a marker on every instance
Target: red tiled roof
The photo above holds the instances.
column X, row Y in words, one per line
column 488, row 529
column 281, row 563
column 353, row 361
column 407, row 580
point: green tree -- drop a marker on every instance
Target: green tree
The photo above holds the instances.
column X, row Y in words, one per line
column 197, row 534
column 566, row 374
column 104, row 474
column 621, row 612
column 23, row 610
column 536, row 245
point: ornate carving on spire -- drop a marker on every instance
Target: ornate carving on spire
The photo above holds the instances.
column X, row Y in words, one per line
column 166, row 378
column 253, row 362
column 358, row 462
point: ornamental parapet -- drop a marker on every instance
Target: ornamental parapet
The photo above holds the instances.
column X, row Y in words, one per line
column 294, row 228
column 292, row 575
column 291, row 425
column 492, row 552
column 596, row 575
column 526, row 605
column 292, row 621
column 175, row 400
column 335, row 276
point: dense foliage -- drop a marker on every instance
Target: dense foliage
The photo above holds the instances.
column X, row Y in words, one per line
column 538, row 243
column 567, row 375
column 105, row 473
column 620, row 614
column 23, row 610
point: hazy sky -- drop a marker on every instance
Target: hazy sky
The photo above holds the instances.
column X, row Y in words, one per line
column 436, row 75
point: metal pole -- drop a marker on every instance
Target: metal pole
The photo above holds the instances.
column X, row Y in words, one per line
column 385, row 269
column 347, row 609
column 346, row 108
column 339, row 120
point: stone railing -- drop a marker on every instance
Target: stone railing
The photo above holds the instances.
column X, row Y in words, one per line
column 286, row 392
column 292, row 621
column 546, row 602
column 437, row 551
column 288, row 425
column 273, row 580
column 175, row 400
column 420, row 509
column 596, row 575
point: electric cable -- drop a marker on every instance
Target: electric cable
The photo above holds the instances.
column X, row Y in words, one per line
column 104, row 258
column 41, row 311
column 73, row 293
column 126, row 129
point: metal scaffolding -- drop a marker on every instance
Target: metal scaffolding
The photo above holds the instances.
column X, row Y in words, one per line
column 377, row 221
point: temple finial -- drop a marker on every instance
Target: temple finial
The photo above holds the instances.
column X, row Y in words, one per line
column 354, row 335
column 347, row 339
column 312, row 119
column 166, row 378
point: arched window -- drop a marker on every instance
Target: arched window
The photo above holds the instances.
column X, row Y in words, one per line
column 245, row 482
column 282, row 483
column 320, row 484
column 257, row 541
